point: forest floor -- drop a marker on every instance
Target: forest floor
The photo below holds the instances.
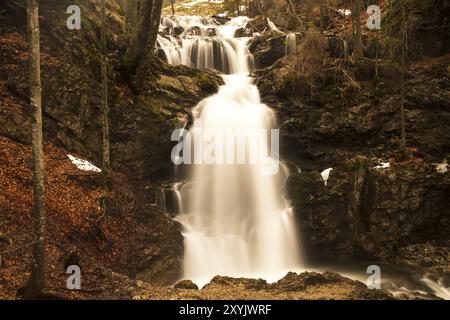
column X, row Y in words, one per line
column 79, row 235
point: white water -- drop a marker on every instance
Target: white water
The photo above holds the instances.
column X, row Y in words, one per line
column 291, row 44
column 236, row 220
column 204, row 43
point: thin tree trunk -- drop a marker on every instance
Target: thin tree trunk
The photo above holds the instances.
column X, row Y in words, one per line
column 173, row 7
column 36, row 282
column 105, row 109
column 403, row 85
column 148, row 47
column 294, row 12
column 156, row 20
column 131, row 16
column 357, row 31
column 377, row 53
column 322, row 15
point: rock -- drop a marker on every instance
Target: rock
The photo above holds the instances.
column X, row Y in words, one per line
column 178, row 30
column 267, row 49
column 336, row 47
column 243, row 32
column 370, row 212
column 307, row 285
column 186, row 284
column 140, row 124
column 248, row 284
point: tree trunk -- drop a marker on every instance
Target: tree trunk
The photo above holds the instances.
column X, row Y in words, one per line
column 105, row 110
column 357, row 31
column 403, row 84
column 377, row 54
column 322, row 15
column 291, row 5
column 36, row 282
column 131, row 13
column 156, row 20
column 145, row 57
column 173, row 7
column 135, row 52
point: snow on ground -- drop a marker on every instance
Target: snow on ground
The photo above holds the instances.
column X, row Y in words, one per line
column 83, row 165
column 195, row 2
column 383, row 165
column 442, row 167
column 326, row 174
column 345, row 12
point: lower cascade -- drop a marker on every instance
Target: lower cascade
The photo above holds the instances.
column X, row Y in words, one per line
column 235, row 219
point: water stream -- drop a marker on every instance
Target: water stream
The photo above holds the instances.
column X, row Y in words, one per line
column 236, row 220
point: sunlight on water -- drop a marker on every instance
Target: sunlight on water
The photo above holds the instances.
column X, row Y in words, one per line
column 236, row 220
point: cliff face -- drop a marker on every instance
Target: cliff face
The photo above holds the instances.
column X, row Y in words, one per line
column 399, row 213
column 335, row 114
column 141, row 125
column 142, row 240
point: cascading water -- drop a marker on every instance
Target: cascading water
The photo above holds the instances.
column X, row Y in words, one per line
column 236, row 221
column 291, row 44
column 201, row 43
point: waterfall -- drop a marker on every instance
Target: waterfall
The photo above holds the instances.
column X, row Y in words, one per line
column 236, row 221
column 202, row 43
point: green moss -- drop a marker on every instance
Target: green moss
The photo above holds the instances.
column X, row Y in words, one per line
column 205, row 82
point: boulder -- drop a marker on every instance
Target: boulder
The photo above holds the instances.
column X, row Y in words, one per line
column 186, row 284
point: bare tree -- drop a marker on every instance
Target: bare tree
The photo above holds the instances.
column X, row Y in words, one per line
column 105, row 109
column 294, row 12
column 357, row 28
column 131, row 12
column 35, row 284
column 173, row 7
column 144, row 40
column 403, row 80
column 322, row 15
column 140, row 38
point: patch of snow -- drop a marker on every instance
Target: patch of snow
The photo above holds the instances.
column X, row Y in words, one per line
column 195, row 2
column 83, row 165
column 325, row 175
column 223, row 14
column 442, row 167
column 383, row 165
column 272, row 26
column 345, row 12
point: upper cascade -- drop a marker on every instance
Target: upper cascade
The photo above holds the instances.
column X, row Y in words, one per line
column 203, row 42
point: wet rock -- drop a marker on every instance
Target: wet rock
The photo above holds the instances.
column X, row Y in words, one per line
column 243, row 32
column 178, row 30
column 186, row 284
